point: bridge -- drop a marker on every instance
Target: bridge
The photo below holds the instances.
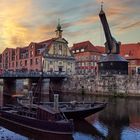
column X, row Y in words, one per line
column 13, row 83
column 33, row 74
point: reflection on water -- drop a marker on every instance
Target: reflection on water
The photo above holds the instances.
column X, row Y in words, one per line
column 6, row 134
column 119, row 121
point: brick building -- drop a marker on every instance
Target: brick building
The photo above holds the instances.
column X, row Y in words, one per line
column 50, row 55
column 131, row 52
column 87, row 56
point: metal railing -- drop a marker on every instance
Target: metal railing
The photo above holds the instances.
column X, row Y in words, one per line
column 32, row 74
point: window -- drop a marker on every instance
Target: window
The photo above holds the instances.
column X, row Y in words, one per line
column 31, row 61
column 65, row 51
column 25, row 62
column 82, row 50
column 126, row 55
column 54, row 50
column 51, row 62
column 60, row 49
column 77, row 50
column 95, row 64
column 38, row 51
column 20, row 63
column 12, row 64
column 13, row 57
column 36, row 60
column 31, row 53
column 16, row 64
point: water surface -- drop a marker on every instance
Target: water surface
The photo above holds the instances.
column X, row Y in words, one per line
column 120, row 120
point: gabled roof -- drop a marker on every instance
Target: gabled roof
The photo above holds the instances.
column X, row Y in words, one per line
column 49, row 41
column 87, row 45
column 8, row 49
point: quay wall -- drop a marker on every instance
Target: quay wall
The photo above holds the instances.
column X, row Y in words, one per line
column 118, row 85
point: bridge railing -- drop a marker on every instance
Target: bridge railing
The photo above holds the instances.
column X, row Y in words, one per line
column 33, row 74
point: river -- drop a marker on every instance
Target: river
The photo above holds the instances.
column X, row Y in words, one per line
column 120, row 120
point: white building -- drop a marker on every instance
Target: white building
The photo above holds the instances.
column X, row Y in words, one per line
column 57, row 56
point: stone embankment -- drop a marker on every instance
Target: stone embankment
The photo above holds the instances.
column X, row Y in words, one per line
column 117, row 85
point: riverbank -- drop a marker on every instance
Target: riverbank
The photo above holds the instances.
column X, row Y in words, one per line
column 116, row 85
column 69, row 96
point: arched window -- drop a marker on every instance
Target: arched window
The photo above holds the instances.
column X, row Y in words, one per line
column 60, row 49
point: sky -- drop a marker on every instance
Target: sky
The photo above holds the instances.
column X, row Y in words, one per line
column 25, row 21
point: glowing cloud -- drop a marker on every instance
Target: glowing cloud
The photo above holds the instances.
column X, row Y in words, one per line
column 25, row 21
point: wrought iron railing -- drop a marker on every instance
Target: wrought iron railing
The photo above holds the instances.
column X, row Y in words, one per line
column 33, row 74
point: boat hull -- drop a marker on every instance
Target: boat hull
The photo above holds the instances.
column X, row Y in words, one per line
column 38, row 125
column 73, row 112
column 81, row 114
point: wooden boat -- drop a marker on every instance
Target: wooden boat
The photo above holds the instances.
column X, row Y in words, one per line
column 72, row 110
column 78, row 110
column 42, row 120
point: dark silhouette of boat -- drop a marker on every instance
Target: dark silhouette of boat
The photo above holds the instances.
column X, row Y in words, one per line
column 78, row 110
column 72, row 110
column 28, row 132
column 42, row 119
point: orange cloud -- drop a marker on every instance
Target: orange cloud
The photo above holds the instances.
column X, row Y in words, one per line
column 16, row 30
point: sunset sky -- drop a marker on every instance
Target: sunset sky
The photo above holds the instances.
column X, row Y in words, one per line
column 25, row 21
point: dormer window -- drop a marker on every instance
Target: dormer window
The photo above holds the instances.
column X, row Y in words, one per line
column 126, row 55
column 77, row 51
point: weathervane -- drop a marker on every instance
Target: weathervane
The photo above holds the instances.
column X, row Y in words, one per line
column 102, row 3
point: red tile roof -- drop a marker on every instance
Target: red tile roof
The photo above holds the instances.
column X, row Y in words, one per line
column 101, row 49
column 130, row 51
column 87, row 45
column 47, row 43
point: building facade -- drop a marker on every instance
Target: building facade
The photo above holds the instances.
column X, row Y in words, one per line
column 87, row 55
column 51, row 55
column 131, row 52
column 58, row 57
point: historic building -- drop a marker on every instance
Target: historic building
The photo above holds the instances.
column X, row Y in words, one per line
column 87, row 55
column 51, row 55
column 131, row 52
column 57, row 56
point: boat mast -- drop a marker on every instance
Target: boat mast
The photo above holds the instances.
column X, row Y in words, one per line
column 40, row 81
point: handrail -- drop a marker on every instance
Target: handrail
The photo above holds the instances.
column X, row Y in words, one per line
column 33, row 74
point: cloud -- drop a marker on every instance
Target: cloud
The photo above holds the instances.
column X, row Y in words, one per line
column 11, row 13
column 134, row 24
column 28, row 21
